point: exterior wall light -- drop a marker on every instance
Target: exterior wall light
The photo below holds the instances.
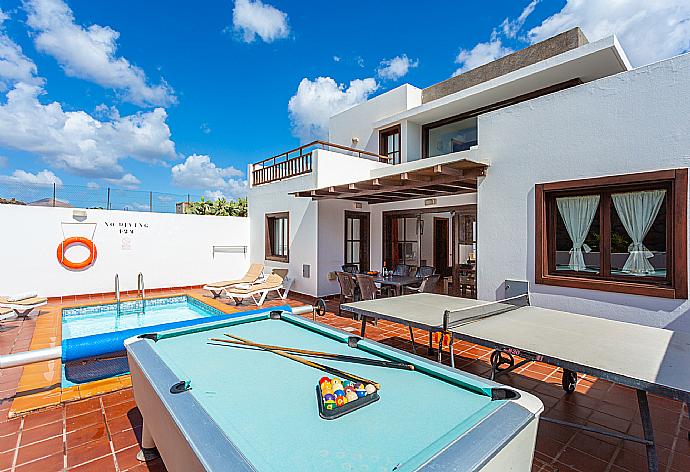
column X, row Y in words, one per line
column 79, row 215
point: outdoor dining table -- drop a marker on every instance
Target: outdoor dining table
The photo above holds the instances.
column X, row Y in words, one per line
column 397, row 282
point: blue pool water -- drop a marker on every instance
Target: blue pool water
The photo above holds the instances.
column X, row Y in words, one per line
column 98, row 319
column 105, row 319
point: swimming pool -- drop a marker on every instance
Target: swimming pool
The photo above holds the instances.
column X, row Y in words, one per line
column 97, row 319
column 91, row 325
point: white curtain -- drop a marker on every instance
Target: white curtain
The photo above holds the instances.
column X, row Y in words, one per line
column 637, row 211
column 577, row 214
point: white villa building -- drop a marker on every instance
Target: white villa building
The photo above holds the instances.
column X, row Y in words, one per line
column 559, row 164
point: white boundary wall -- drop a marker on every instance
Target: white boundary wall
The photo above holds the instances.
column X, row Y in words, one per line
column 170, row 250
column 631, row 122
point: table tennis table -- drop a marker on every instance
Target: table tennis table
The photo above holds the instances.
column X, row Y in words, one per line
column 647, row 359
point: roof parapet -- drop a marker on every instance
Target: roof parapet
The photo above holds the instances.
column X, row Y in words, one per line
column 571, row 39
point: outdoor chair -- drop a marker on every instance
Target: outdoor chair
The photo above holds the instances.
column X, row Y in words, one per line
column 6, row 314
column 347, row 288
column 424, row 271
column 22, row 304
column 429, row 285
column 367, row 287
column 350, row 268
column 402, row 269
column 273, row 282
column 252, row 275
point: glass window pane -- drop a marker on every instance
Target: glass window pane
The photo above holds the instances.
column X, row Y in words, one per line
column 355, row 253
column 390, row 144
column 628, row 258
column 396, row 142
column 401, row 229
column 571, row 222
column 453, row 137
column 348, row 253
column 348, row 228
column 355, row 229
column 410, row 229
column 285, row 236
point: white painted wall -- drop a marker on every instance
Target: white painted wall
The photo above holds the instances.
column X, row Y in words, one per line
column 170, row 250
column 357, row 122
column 273, row 198
column 630, row 122
column 307, row 231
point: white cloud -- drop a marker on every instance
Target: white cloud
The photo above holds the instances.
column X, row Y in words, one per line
column 78, row 142
column 205, row 128
column 127, row 182
column 396, row 68
column 214, row 195
column 91, row 53
column 3, row 161
column 198, row 171
column 44, row 177
column 316, row 101
column 649, row 30
column 512, row 27
column 336, row 58
column 93, row 186
column 481, row 54
column 14, row 65
column 254, row 18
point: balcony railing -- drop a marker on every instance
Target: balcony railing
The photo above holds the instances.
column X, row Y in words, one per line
column 298, row 161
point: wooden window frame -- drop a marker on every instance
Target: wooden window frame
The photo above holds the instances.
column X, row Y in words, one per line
column 268, row 248
column 383, row 143
column 676, row 183
column 365, row 242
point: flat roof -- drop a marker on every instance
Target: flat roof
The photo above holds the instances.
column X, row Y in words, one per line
column 589, row 62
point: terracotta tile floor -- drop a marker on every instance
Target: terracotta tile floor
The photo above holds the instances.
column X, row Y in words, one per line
column 102, row 433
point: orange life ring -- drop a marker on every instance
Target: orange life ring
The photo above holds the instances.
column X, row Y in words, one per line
column 62, row 247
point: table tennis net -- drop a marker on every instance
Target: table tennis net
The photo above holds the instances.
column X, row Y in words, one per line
column 454, row 318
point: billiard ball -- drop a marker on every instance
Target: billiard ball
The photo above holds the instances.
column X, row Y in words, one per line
column 329, row 396
column 360, row 391
column 337, row 386
column 340, row 401
column 329, row 404
column 370, row 389
column 351, row 396
column 349, row 388
column 346, row 383
column 326, row 388
column 339, row 393
column 324, row 379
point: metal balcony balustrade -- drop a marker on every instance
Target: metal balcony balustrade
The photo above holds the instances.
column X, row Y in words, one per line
column 298, row 161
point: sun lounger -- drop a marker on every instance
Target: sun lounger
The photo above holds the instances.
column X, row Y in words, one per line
column 258, row 292
column 252, row 275
column 7, row 314
column 24, row 306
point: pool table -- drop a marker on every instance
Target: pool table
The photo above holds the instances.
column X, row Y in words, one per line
column 210, row 406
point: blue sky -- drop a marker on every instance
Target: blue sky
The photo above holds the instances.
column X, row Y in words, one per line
column 179, row 97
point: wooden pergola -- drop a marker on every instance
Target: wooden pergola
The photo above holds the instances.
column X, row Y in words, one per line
column 450, row 178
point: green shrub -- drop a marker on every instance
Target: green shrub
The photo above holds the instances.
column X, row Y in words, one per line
column 220, row 207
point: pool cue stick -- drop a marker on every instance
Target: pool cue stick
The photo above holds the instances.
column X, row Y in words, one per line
column 328, row 355
column 314, row 365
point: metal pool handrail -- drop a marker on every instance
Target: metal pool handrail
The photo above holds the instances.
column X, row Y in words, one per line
column 117, row 292
column 141, row 290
